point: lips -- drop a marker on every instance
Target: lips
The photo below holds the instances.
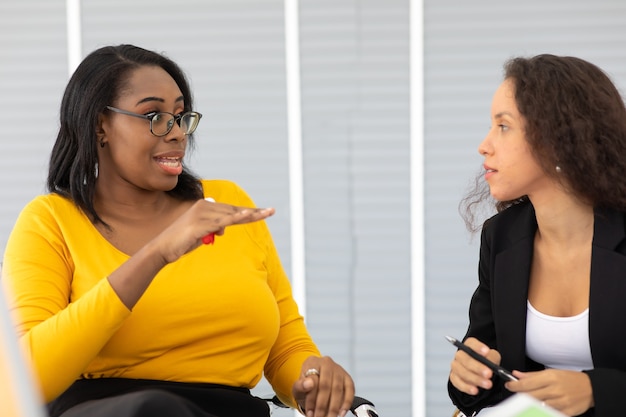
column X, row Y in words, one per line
column 170, row 162
column 489, row 171
column 171, row 165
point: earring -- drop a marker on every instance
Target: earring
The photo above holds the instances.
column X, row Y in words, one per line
column 558, row 169
column 102, row 142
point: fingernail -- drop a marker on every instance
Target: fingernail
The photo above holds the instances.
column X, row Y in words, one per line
column 342, row 413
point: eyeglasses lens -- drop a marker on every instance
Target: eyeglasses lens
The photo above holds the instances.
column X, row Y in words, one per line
column 162, row 123
column 189, row 122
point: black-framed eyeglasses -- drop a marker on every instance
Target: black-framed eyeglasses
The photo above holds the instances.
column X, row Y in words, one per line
column 161, row 123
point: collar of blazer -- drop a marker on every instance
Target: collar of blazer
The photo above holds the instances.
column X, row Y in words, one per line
column 511, row 254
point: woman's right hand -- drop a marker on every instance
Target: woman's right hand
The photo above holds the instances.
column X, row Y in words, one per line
column 467, row 374
column 202, row 218
column 133, row 277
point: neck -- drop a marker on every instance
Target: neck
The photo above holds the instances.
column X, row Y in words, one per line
column 564, row 219
column 130, row 202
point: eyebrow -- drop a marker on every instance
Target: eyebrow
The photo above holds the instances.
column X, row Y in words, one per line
column 159, row 99
column 503, row 113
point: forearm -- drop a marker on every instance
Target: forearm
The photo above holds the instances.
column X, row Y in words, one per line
column 62, row 339
column 133, row 277
column 62, row 346
column 485, row 398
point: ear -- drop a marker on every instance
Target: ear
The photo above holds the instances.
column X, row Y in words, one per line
column 101, row 128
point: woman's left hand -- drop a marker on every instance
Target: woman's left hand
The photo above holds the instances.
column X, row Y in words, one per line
column 569, row 392
column 324, row 389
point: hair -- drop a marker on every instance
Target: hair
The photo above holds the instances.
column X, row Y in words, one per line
column 97, row 82
column 574, row 119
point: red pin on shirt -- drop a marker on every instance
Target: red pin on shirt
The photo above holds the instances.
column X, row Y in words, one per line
column 210, row 238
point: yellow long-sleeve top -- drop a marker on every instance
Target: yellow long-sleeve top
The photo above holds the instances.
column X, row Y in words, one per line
column 223, row 313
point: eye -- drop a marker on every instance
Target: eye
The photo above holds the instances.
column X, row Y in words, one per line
column 502, row 127
column 156, row 116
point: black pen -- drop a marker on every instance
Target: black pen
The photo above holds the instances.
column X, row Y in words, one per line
column 500, row 371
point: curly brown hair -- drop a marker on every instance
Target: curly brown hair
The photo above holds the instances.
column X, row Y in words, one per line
column 575, row 119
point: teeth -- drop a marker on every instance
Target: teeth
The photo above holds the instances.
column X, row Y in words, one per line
column 170, row 162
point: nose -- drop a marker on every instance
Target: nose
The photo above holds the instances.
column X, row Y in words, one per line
column 485, row 147
column 177, row 133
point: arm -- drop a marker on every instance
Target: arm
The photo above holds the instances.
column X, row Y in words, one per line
column 609, row 386
column 293, row 351
column 482, row 328
column 65, row 320
column 293, row 344
column 60, row 338
column 329, row 390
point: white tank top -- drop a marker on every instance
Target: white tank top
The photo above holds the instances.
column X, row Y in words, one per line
column 558, row 342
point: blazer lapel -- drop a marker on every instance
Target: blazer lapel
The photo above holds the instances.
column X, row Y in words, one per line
column 607, row 302
column 510, row 290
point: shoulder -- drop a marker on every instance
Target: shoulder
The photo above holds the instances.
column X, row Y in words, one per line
column 53, row 205
column 46, row 216
column 516, row 222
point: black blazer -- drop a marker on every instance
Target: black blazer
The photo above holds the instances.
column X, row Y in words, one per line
column 498, row 306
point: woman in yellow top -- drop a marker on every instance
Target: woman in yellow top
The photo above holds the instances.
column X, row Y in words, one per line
column 121, row 308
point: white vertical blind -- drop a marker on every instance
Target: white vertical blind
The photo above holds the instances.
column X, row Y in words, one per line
column 74, row 34
column 294, row 129
column 418, row 318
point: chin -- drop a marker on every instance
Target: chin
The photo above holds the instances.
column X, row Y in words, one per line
column 170, row 185
column 505, row 197
column 500, row 196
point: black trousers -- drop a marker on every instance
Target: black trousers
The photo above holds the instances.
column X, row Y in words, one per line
column 122, row 397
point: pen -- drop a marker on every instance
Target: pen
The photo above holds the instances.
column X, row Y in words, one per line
column 500, row 371
column 210, row 238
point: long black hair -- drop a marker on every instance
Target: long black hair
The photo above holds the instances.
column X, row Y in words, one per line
column 96, row 83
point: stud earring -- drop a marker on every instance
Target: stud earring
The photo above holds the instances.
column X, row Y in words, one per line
column 558, row 169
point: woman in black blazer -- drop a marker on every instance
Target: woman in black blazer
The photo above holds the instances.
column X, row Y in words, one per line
column 551, row 299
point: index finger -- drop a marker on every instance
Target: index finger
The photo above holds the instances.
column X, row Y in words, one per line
column 240, row 214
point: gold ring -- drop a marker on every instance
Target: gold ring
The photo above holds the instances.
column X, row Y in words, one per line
column 312, row 371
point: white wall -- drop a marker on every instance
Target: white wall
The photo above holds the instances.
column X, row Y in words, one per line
column 466, row 44
column 356, row 140
column 355, row 97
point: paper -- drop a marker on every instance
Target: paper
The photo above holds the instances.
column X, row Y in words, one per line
column 520, row 405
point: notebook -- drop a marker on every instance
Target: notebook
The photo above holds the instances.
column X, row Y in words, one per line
column 18, row 396
column 520, row 405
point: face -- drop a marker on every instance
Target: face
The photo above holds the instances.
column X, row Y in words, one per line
column 132, row 156
column 510, row 169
